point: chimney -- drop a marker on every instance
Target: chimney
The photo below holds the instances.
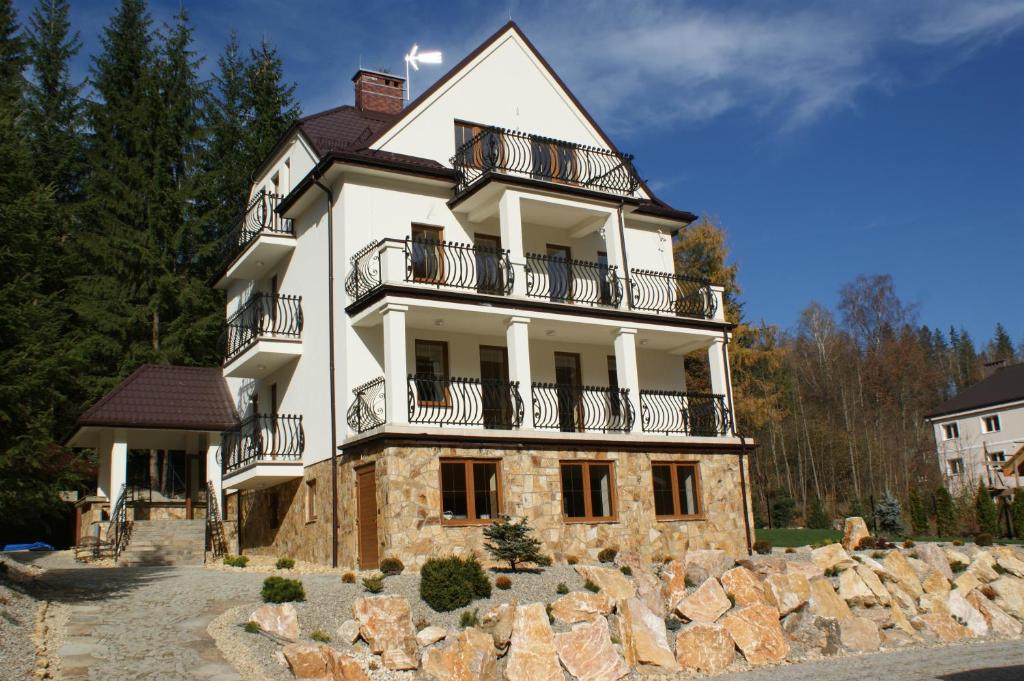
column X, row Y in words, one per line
column 376, row 91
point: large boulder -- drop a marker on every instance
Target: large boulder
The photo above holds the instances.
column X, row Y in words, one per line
column 348, row 632
column 498, row 623
column 999, row 623
column 706, row 604
column 588, row 654
column 983, row 567
column 873, row 583
column 903, row 574
column 942, row 627
column 1010, row 595
column 935, row 557
column 1010, row 562
column 647, row 584
column 385, row 623
column 704, row 648
column 744, row 586
column 532, row 656
column 854, row 591
column 833, row 556
column 278, row 620
column 613, row 583
column 824, row 602
column 757, row 634
column 581, row 606
column 966, row 582
column 469, row 657
column 859, row 635
column 428, row 636
column 644, row 637
column 322, row 662
column 712, row 561
column 967, row 614
column 804, row 567
column 673, row 583
column 787, row 592
column 935, row 583
column 900, row 621
column 853, row 532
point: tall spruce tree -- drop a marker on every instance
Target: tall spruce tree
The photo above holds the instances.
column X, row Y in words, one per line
column 1001, row 347
column 985, row 511
column 270, row 102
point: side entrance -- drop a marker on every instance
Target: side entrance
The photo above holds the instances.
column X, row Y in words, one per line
column 366, row 500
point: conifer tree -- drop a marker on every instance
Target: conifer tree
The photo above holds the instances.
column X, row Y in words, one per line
column 1001, row 347
column 945, row 513
column 1017, row 514
column 985, row 511
column 889, row 515
column 918, row 514
column 818, row 519
column 270, row 103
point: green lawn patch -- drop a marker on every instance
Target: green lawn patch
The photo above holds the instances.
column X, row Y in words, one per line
column 790, row 536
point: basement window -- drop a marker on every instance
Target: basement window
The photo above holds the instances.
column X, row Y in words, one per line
column 950, row 431
column 470, row 491
column 676, row 491
column 588, row 491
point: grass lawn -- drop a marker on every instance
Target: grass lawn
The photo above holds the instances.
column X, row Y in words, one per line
column 789, row 536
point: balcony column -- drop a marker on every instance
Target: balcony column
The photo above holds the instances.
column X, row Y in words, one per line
column 392, row 261
column 616, row 259
column 718, row 370
column 118, row 466
column 719, row 293
column 517, row 338
column 626, row 371
column 213, row 470
column 511, row 221
column 396, row 375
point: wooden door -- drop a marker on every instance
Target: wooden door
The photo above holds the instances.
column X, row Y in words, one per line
column 560, row 282
column 366, row 501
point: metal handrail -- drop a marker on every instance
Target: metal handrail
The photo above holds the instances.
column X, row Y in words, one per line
column 460, row 401
column 119, row 529
column 369, row 408
column 674, row 293
column 572, row 281
column 449, row 264
column 264, row 314
column 581, row 408
column 258, row 217
column 263, row 437
column 216, row 543
column 684, row 413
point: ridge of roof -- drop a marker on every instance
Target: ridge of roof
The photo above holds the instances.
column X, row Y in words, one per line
column 1003, row 386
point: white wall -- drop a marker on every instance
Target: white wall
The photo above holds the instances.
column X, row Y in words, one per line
column 972, row 444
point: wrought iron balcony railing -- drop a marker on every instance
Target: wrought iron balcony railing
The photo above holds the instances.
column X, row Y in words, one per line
column 260, row 217
column 572, row 281
column 673, row 412
column 581, row 408
column 261, row 438
column 673, row 293
column 369, row 408
column 455, row 401
column 364, row 272
column 497, row 150
column 263, row 315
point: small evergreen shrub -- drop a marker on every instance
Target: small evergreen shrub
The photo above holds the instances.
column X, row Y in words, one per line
column 782, row 508
column 591, row 587
column 999, row 569
column 983, row 539
column 451, row 583
column 607, row 555
column 544, row 561
column 918, row 513
column 282, row 590
column 285, row 563
column 986, row 513
column 251, row 627
column 320, row 636
column 561, row 589
column 889, row 515
column 626, row 570
column 878, row 555
column 236, row 561
column 763, row 547
column 571, row 560
column 349, row 578
column 672, row 623
column 957, row 567
column 914, row 554
column 958, row 542
column 909, row 544
column 818, row 518
column 469, row 618
column 832, row 572
column 513, row 543
column 503, row 582
column 374, row 583
column 945, row 513
column 688, row 582
column 391, row 567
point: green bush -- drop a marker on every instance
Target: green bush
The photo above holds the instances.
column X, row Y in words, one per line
column 561, row 589
column 607, row 555
column 503, row 583
column 282, row 590
column 451, row 583
column 763, row 546
column 818, row 518
column 251, row 627
column 889, row 515
column 320, row 636
column 469, row 618
column 374, row 583
column 391, row 567
column 591, row 587
column 783, row 508
column 285, row 563
column 867, row 543
column 918, row 513
column 544, row 561
column 957, row 567
column 549, row 609
column 236, row 561
column 983, row 539
column 626, row 570
column 986, row 513
column 945, row 513
column 513, row 543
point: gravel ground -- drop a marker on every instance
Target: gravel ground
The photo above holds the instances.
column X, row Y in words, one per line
column 17, row 622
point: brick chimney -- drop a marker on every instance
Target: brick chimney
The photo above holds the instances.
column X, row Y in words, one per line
column 376, row 91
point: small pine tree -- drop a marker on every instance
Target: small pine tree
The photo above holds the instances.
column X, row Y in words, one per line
column 818, row 519
column 1017, row 514
column 945, row 513
column 918, row 514
column 512, row 542
column 889, row 515
column 783, row 508
column 985, row 511
column 856, row 508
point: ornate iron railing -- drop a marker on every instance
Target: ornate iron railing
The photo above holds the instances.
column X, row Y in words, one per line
column 364, row 273
column 264, row 314
column 673, row 293
column 262, row 437
column 581, row 408
column 369, row 408
column 216, row 543
column 684, row 413
column 119, row 529
column 572, row 281
column 259, row 217
column 448, row 264
column 541, row 158
column 455, row 401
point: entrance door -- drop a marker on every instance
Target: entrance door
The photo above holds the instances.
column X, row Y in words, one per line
column 559, row 273
column 366, row 501
column 568, row 377
column 497, row 403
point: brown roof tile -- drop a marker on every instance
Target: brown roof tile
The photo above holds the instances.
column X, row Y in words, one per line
column 1002, row 387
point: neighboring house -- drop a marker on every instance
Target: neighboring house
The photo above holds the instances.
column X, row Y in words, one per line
column 466, row 307
column 979, row 433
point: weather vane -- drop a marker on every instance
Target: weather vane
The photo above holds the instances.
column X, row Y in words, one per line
column 414, row 59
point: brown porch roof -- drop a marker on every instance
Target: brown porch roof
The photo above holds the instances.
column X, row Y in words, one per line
column 166, row 397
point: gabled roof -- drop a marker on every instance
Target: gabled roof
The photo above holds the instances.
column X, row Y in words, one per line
column 1004, row 386
column 166, row 397
column 342, row 128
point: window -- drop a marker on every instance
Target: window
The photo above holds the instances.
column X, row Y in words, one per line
column 676, row 490
column 432, row 372
column 427, row 253
column 990, row 424
column 486, row 153
column 950, row 431
column 603, row 271
column 997, row 457
column 470, row 490
column 310, row 501
column 956, row 467
column 588, row 491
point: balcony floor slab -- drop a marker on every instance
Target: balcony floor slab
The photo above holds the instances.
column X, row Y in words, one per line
column 263, row 474
column 263, row 357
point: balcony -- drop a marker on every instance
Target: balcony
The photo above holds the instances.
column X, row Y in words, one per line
column 497, row 151
column 264, row 335
column 259, row 241
column 265, row 450
column 464, row 402
column 576, row 282
column 369, row 407
column 683, row 413
column 581, row 408
column 672, row 293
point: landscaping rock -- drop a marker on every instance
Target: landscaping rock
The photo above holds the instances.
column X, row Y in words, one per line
column 903, row 574
column 881, row 616
column 854, row 531
column 647, row 584
column 935, row 583
column 713, row 561
column 498, row 623
column 588, row 654
column 873, row 583
column 966, row 582
column 704, row 648
column 877, row 568
column 348, row 632
column 805, row 568
column 279, row 620
column 581, row 606
column 757, row 634
column 941, row 626
column 983, row 566
column 385, row 623
column 966, row 613
column 859, row 635
column 954, row 556
column 469, row 657
column 1010, row 595
column 905, row 600
column 935, row 557
column 644, row 638
column 896, row 638
column 787, row 592
column 673, row 583
column 935, row 603
column 900, row 621
column 430, row 635
column 1009, row 562
column 532, row 655
column 999, row 622
column 305, row 660
column 824, row 602
column 343, row 667
column 854, row 591
column 744, row 586
column 764, row 566
column 920, row 568
column 832, row 556
column 613, row 583
column 706, row 604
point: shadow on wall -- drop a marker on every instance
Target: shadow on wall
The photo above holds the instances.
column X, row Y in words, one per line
column 264, row 512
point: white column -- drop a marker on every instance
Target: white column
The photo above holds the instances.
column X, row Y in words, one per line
column 395, row 373
column 517, row 338
column 718, row 370
column 392, row 262
column 626, row 371
column 213, row 471
column 511, row 221
column 616, row 259
column 719, row 293
column 118, row 466
column 103, row 447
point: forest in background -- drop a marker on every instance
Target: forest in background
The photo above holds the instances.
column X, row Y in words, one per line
column 116, row 197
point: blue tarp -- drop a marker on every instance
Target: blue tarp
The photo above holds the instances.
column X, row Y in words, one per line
column 36, row 546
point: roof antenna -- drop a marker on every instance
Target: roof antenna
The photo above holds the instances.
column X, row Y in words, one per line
column 510, row 11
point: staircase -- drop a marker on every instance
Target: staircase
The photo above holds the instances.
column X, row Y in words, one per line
column 165, row 542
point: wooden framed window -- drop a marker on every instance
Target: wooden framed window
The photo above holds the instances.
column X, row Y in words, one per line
column 427, row 254
column 432, row 373
column 310, row 501
column 950, row 431
column 588, row 491
column 990, row 424
column 470, row 491
column 676, row 491
column 487, row 151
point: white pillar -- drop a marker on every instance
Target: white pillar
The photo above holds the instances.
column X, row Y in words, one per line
column 395, row 374
column 103, row 447
column 511, row 222
column 613, row 247
column 118, row 466
column 392, row 262
column 213, row 471
column 517, row 338
column 718, row 368
column 626, row 371
column 719, row 293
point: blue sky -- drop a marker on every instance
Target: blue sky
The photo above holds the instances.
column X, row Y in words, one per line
column 831, row 139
